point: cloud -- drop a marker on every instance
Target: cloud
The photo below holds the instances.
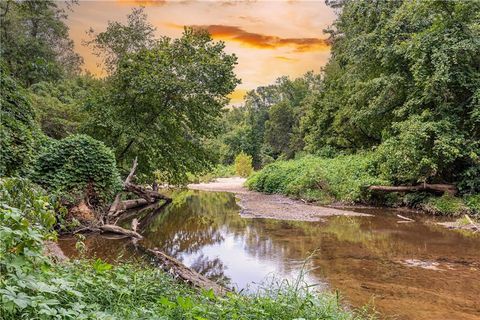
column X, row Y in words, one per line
column 285, row 58
column 261, row 41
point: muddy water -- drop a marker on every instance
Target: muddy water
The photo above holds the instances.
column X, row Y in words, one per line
column 405, row 270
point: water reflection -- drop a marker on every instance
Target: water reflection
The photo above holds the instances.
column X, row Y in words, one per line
column 364, row 257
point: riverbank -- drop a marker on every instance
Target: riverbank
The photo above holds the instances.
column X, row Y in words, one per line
column 272, row 206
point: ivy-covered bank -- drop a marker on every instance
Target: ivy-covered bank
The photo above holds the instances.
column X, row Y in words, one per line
column 33, row 286
column 346, row 179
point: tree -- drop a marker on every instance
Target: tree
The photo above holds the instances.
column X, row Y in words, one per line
column 397, row 67
column 161, row 103
column 59, row 105
column 121, row 39
column 35, row 41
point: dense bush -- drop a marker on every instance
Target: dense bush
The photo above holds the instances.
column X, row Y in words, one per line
column 420, row 149
column 343, row 178
column 78, row 167
column 17, row 127
column 243, row 165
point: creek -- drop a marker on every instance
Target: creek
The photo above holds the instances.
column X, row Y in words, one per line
column 415, row 270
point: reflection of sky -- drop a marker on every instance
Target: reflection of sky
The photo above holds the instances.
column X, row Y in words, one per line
column 244, row 269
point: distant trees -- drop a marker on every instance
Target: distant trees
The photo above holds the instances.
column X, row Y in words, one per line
column 35, row 41
column 403, row 80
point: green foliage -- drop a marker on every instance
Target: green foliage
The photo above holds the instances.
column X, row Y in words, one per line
column 59, row 105
column 17, row 127
column 78, row 167
column 219, row 171
column 445, row 205
column 119, row 40
column 473, row 203
column 29, row 199
column 403, row 75
column 35, row 41
column 419, row 149
column 162, row 103
column 344, row 178
column 243, row 165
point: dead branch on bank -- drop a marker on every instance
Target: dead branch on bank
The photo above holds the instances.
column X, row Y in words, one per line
column 147, row 197
column 182, row 272
column 439, row 188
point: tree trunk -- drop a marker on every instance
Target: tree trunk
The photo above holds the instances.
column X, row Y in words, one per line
column 439, row 188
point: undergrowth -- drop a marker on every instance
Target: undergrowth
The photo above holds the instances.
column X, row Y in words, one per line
column 324, row 180
column 346, row 179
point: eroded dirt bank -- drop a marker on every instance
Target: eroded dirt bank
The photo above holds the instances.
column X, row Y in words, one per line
column 273, row 206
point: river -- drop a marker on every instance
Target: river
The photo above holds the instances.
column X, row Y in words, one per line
column 415, row 270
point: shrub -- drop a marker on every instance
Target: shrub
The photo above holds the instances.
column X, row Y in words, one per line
column 243, row 165
column 473, row 203
column 78, row 167
column 343, row 178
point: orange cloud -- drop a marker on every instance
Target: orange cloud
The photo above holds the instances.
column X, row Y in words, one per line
column 261, row 41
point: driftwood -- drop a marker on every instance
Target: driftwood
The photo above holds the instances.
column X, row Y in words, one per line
column 473, row 224
column 119, row 230
column 440, row 188
column 182, row 272
column 405, row 218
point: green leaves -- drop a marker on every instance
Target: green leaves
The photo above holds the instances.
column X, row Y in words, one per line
column 78, row 167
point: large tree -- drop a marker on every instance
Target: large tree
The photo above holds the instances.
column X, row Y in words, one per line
column 162, row 102
column 35, row 41
column 400, row 67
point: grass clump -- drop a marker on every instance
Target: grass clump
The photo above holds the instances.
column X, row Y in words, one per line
column 312, row 178
column 445, row 205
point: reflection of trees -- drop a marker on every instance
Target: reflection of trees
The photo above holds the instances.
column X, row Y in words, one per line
column 213, row 268
column 191, row 222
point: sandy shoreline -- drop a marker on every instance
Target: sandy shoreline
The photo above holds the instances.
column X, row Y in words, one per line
column 259, row 205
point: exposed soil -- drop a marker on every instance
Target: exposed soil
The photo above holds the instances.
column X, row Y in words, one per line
column 259, row 205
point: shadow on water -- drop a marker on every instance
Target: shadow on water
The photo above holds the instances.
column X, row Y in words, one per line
column 407, row 270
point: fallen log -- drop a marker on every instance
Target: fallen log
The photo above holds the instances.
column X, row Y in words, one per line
column 440, row 188
column 118, row 207
column 182, row 272
column 119, row 230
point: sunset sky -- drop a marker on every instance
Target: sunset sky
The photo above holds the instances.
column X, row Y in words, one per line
column 270, row 38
